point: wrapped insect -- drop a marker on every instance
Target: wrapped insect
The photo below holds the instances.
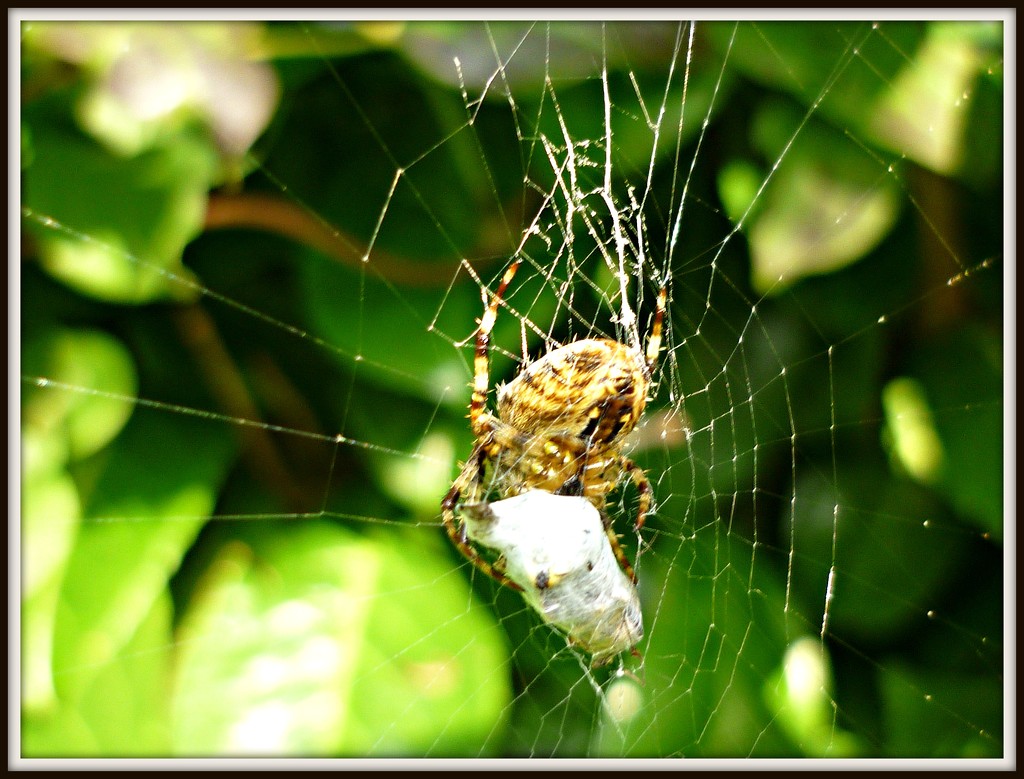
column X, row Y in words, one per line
column 556, row 549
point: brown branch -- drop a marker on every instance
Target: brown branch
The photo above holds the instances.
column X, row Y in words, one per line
column 285, row 218
column 224, row 381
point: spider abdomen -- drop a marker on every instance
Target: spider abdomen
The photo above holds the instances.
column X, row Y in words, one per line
column 594, row 390
column 562, row 465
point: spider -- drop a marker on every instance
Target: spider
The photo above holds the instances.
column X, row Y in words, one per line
column 560, row 427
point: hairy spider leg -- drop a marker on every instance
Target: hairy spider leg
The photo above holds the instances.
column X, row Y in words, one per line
column 636, row 473
column 482, row 425
column 619, row 552
column 643, row 489
column 478, row 418
column 654, row 340
column 468, row 480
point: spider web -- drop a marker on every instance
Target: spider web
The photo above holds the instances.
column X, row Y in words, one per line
column 255, row 565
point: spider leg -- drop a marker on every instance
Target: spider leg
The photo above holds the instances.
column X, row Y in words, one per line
column 643, row 488
column 458, row 538
column 618, row 551
column 654, row 340
column 481, row 359
column 482, row 425
column 469, row 480
column 576, row 486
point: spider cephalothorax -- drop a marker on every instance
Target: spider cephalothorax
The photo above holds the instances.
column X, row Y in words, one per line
column 560, row 427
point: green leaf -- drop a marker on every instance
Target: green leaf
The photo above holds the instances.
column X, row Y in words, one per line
column 50, row 516
column 312, row 640
column 122, row 711
column 941, row 714
column 146, row 81
column 58, row 426
column 122, row 223
column 156, row 489
column 83, row 422
column 801, row 696
column 924, row 114
column 560, row 50
column 838, row 67
column 400, row 351
column 910, row 430
column 827, row 204
column 968, row 419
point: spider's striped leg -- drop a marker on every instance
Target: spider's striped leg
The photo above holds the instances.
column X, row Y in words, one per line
column 458, row 538
column 595, row 491
column 654, row 340
column 481, row 356
column 643, row 488
column 468, row 480
column 619, row 552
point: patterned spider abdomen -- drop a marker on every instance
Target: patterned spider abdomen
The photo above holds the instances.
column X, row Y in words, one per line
column 565, row 418
column 594, row 390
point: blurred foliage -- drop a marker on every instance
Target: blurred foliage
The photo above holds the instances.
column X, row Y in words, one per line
column 227, row 222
